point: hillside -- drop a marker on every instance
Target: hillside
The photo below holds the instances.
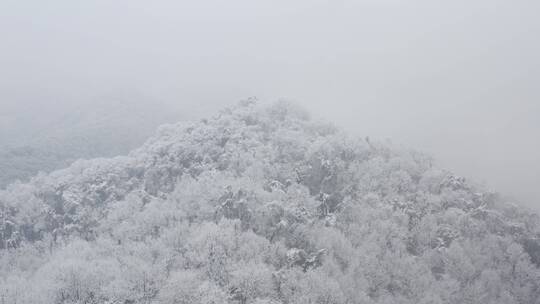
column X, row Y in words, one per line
column 54, row 136
column 261, row 204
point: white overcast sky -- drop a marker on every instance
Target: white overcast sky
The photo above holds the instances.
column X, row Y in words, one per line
column 457, row 79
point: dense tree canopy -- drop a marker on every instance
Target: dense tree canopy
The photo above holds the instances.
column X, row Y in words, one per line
column 261, row 204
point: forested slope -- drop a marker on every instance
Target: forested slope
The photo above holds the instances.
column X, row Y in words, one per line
column 263, row 205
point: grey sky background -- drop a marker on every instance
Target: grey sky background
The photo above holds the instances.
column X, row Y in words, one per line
column 456, row 79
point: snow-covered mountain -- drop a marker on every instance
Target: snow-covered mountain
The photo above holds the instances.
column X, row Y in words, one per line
column 261, row 204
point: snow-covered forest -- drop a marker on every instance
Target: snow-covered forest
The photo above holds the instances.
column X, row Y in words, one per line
column 262, row 204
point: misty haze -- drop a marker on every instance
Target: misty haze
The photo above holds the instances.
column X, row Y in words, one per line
column 272, row 152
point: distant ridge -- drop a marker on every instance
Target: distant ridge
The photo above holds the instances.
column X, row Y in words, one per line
column 96, row 129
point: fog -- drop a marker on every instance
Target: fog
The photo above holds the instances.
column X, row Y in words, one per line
column 455, row 79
